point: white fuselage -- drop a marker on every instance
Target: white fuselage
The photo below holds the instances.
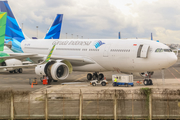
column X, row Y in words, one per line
column 111, row 55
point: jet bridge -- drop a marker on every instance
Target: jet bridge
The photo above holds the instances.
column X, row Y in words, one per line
column 143, row 51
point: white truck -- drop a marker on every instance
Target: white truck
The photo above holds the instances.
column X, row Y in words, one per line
column 123, row 79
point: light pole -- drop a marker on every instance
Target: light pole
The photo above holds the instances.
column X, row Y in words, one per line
column 72, row 36
column 77, row 36
column 82, row 37
column 66, row 35
column 37, row 31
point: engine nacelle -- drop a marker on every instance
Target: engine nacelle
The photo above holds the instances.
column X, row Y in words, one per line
column 11, row 62
column 55, row 71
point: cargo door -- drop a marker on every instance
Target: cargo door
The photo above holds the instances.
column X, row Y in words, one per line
column 143, row 51
column 106, row 51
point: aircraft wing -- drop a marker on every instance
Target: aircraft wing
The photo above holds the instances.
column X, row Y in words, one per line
column 18, row 66
column 74, row 60
column 19, row 57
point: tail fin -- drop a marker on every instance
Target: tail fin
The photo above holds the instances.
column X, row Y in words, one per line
column 55, row 30
column 151, row 36
column 13, row 31
column 3, row 16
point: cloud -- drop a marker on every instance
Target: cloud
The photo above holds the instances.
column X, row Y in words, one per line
column 102, row 18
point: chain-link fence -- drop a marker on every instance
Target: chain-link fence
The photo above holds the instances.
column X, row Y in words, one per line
column 111, row 104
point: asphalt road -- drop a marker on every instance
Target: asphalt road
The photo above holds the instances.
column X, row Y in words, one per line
column 21, row 81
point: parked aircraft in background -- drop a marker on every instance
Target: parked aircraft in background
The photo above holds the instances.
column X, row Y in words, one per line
column 55, row 29
column 14, row 34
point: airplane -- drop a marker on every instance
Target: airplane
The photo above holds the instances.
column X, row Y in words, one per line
column 137, row 56
column 14, row 34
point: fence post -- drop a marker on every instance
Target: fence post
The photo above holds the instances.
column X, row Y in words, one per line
column 46, row 106
column 150, row 106
column 115, row 106
column 12, row 106
column 80, row 105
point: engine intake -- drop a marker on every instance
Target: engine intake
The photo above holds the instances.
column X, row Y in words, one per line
column 55, row 71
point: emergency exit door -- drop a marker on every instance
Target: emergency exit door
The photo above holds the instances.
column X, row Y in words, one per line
column 143, row 51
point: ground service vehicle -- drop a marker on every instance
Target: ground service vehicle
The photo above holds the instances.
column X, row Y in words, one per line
column 98, row 82
column 126, row 80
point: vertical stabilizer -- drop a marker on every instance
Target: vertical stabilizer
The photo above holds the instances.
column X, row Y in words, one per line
column 151, row 36
column 119, row 35
column 55, row 30
column 13, row 31
column 3, row 16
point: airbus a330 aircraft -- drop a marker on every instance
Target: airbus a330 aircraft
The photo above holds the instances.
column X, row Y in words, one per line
column 97, row 55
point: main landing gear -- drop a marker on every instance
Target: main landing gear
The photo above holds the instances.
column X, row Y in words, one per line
column 20, row 70
column 147, row 80
column 95, row 76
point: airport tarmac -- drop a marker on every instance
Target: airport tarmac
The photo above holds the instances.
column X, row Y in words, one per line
column 20, row 82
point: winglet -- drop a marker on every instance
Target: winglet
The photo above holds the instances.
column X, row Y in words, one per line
column 48, row 56
column 3, row 17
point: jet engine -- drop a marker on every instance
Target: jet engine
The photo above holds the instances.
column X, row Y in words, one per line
column 54, row 70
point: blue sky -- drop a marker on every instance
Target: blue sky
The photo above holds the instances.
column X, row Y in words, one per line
column 102, row 18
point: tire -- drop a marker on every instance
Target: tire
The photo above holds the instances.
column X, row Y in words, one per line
column 95, row 76
column 146, row 82
column 132, row 85
column 103, row 84
column 10, row 71
column 15, row 71
column 89, row 76
column 150, row 82
column 93, row 84
column 101, row 76
column 126, row 84
column 20, row 70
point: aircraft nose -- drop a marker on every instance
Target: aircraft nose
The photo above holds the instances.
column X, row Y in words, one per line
column 172, row 59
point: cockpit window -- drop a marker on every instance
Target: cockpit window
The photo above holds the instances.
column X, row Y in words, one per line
column 163, row 50
column 159, row 50
column 167, row 50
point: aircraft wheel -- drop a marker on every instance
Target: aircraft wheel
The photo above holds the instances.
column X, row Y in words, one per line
column 146, row 82
column 150, row 82
column 101, row 76
column 95, row 76
column 20, row 70
column 15, row 71
column 89, row 76
column 10, row 71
